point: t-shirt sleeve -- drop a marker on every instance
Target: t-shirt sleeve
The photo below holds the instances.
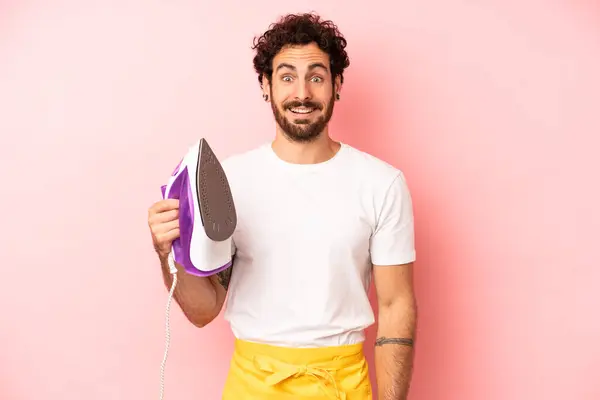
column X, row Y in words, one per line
column 393, row 241
column 233, row 247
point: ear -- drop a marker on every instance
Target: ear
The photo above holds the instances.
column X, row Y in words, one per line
column 266, row 85
column 337, row 84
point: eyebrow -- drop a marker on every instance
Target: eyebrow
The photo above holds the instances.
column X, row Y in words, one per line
column 310, row 67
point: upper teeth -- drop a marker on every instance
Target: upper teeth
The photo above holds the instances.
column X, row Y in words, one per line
column 302, row 110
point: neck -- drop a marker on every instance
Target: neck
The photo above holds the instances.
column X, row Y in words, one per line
column 317, row 151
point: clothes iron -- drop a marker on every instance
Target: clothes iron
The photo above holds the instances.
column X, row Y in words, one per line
column 207, row 215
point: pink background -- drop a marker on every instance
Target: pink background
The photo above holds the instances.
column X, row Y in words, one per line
column 491, row 108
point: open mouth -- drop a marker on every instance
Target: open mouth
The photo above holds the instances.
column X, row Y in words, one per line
column 302, row 110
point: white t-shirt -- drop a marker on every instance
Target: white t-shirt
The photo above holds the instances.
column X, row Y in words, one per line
column 306, row 239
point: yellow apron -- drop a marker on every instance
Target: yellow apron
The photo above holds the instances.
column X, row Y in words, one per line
column 264, row 372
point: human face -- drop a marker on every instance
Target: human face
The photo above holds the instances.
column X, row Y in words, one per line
column 302, row 92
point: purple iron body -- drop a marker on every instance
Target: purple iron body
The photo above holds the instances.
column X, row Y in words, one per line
column 207, row 215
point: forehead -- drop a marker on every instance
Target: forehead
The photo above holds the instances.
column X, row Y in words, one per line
column 300, row 56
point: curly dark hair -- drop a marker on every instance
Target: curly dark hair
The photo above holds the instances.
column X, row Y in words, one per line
column 300, row 29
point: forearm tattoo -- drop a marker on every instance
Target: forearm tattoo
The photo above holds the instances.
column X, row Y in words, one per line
column 225, row 275
column 403, row 341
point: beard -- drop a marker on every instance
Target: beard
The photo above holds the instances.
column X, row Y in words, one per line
column 302, row 130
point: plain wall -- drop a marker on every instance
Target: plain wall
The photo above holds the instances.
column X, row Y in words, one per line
column 491, row 109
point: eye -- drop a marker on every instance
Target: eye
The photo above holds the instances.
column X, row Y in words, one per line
column 286, row 78
column 317, row 79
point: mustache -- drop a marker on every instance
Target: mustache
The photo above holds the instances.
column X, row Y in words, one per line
column 307, row 104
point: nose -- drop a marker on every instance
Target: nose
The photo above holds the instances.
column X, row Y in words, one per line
column 303, row 92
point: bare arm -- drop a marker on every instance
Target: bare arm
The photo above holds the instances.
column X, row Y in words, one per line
column 394, row 350
column 200, row 298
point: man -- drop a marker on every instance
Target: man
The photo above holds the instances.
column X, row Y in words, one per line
column 316, row 219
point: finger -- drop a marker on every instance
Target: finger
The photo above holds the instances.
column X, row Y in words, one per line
column 165, row 216
column 164, row 205
column 168, row 237
column 161, row 229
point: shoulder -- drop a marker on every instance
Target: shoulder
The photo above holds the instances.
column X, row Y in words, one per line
column 380, row 184
column 370, row 168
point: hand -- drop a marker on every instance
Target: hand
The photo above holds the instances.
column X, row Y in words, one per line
column 163, row 220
